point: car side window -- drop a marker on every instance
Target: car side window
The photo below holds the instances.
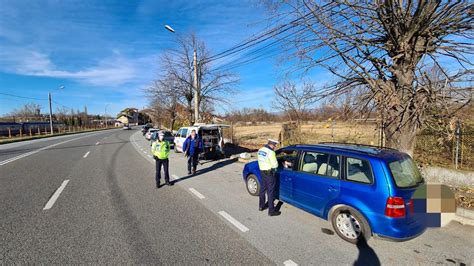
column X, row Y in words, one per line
column 320, row 164
column 287, row 158
column 184, row 133
column 359, row 170
column 178, row 134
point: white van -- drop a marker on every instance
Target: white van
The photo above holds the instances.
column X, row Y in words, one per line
column 211, row 135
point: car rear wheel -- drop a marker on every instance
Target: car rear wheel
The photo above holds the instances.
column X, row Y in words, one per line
column 350, row 225
column 253, row 187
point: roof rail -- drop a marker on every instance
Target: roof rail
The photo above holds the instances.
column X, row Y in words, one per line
column 358, row 144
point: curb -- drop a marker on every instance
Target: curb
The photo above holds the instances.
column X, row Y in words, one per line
column 464, row 216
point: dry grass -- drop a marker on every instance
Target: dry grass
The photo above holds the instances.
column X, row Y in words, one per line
column 314, row 132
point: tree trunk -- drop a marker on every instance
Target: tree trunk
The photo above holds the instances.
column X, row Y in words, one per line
column 402, row 139
column 173, row 120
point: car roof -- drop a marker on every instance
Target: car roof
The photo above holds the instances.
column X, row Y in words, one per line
column 352, row 148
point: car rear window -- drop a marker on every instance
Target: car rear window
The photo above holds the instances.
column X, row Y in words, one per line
column 405, row 172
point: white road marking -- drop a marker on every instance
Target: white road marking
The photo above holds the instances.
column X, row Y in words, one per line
column 290, row 263
column 175, row 177
column 233, row 221
column 195, row 192
column 97, row 143
column 144, row 152
column 55, row 196
column 149, row 155
column 38, row 150
column 87, row 153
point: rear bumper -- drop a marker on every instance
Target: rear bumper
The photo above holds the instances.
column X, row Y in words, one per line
column 399, row 239
column 397, row 229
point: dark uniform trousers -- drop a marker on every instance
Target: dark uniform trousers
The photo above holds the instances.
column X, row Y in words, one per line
column 268, row 187
column 165, row 163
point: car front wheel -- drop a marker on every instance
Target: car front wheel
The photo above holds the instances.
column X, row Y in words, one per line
column 350, row 225
column 253, row 187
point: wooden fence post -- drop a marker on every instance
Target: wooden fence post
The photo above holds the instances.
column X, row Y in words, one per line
column 21, row 132
column 30, row 132
column 9, row 133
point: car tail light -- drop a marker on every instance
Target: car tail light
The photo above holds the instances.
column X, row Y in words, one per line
column 395, row 207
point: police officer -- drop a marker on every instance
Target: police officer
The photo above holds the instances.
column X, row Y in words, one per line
column 267, row 162
column 161, row 150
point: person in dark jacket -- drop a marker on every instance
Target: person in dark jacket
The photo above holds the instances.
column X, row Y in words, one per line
column 192, row 146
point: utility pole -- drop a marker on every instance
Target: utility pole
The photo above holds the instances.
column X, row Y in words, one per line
column 50, row 114
column 105, row 114
column 196, row 88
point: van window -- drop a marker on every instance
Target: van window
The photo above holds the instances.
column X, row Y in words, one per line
column 320, row 164
column 405, row 172
column 184, row 133
column 178, row 134
column 359, row 170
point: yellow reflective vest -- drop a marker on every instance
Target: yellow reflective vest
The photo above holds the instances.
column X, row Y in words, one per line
column 161, row 149
column 267, row 159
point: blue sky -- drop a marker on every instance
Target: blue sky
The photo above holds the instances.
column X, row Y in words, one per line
column 106, row 52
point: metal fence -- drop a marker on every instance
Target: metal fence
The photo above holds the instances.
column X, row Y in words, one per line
column 455, row 149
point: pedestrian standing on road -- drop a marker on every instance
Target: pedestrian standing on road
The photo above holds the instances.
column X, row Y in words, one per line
column 268, row 164
column 161, row 150
column 192, row 147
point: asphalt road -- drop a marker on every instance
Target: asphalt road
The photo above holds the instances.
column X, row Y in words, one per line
column 109, row 211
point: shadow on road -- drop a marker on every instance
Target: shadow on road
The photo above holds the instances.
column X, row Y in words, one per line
column 367, row 255
column 208, row 169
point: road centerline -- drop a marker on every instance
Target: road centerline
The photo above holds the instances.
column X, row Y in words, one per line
column 195, row 192
column 55, row 196
column 233, row 221
column 87, row 153
column 97, row 143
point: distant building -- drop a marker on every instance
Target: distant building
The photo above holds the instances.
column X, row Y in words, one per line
column 128, row 116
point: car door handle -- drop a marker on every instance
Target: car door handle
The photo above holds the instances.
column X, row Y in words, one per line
column 332, row 189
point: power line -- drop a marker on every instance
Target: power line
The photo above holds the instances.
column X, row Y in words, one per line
column 23, row 97
column 268, row 49
column 262, row 37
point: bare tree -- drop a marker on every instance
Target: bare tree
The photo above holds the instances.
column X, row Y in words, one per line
column 213, row 85
column 164, row 95
column 383, row 46
column 27, row 111
column 295, row 100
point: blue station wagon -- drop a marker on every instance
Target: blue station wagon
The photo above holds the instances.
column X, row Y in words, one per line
column 362, row 190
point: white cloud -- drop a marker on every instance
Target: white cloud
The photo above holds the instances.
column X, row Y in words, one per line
column 111, row 71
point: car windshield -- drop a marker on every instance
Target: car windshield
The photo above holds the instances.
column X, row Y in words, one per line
column 405, row 172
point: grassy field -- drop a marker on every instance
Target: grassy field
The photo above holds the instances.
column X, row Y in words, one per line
column 364, row 133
